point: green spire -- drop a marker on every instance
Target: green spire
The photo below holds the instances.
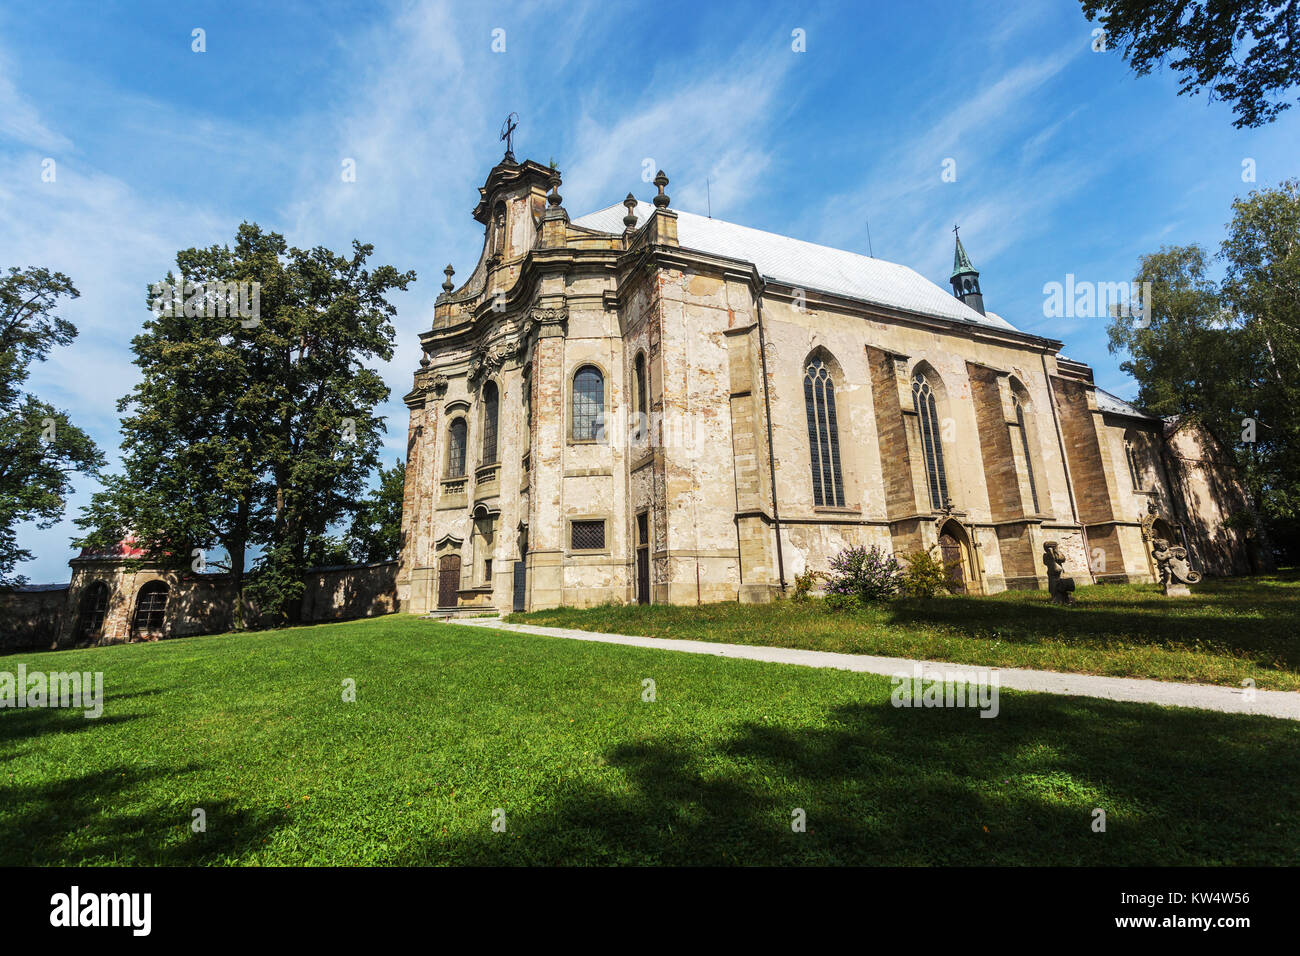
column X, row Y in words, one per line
column 960, row 261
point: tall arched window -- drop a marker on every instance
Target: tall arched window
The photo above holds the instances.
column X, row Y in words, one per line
column 150, row 608
column 932, row 447
column 588, row 404
column 528, row 406
column 490, row 405
column 1130, row 455
column 639, row 382
column 94, row 607
column 499, row 230
column 823, row 436
column 1024, row 446
column 456, row 448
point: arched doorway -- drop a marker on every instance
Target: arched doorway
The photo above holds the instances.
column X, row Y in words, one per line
column 952, row 552
column 448, row 579
column 150, row 611
column 94, row 608
column 1160, row 529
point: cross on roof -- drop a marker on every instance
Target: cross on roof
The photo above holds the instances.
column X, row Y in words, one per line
column 507, row 134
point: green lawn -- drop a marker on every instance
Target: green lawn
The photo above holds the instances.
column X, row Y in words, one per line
column 451, row 723
column 1229, row 630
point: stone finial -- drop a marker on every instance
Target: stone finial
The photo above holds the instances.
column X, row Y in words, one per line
column 629, row 220
column 661, row 180
column 447, row 284
column 555, row 198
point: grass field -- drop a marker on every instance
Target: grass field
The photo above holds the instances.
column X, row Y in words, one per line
column 1229, row 630
column 451, row 723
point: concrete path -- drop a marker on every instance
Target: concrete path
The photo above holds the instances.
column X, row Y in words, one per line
column 1231, row 700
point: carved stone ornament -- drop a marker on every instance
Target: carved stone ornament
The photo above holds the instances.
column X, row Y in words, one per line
column 1059, row 585
column 1171, row 564
column 438, row 383
column 1148, row 521
column 541, row 316
column 488, row 360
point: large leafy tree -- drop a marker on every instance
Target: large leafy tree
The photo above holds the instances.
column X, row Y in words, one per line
column 1245, row 52
column 1227, row 352
column 376, row 533
column 40, row 448
column 255, row 434
column 1262, row 291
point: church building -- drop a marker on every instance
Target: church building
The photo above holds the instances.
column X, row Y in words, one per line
column 647, row 405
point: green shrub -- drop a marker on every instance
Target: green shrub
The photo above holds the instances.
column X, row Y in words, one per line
column 925, row 575
column 803, row 583
column 841, row 602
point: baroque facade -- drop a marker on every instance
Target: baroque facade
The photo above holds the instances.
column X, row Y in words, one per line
column 648, row 405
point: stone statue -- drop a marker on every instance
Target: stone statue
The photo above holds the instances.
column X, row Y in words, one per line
column 1171, row 564
column 1059, row 584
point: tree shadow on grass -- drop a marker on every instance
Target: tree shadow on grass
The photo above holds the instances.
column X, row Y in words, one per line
column 29, row 723
column 886, row 785
column 95, row 818
column 1270, row 643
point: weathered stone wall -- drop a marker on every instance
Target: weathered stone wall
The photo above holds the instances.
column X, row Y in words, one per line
column 1217, row 517
column 196, row 604
column 31, row 616
column 344, row 593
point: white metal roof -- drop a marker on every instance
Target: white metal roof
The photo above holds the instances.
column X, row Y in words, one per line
column 1115, row 405
column 806, row 265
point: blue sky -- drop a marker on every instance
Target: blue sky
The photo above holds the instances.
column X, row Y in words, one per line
column 1065, row 161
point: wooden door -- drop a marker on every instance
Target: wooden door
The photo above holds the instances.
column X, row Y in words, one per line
column 448, row 579
column 951, row 553
column 642, row 575
column 521, row 585
column 643, row 558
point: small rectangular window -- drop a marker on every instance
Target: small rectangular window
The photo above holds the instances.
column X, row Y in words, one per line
column 487, row 570
column 587, row 535
column 643, row 528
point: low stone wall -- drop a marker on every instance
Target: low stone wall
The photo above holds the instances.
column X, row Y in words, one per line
column 39, row 618
column 30, row 616
column 350, row 591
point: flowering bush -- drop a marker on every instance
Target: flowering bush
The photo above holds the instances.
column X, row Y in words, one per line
column 865, row 574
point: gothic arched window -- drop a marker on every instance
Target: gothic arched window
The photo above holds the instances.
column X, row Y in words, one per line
column 927, row 413
column 1024, row 447
column 588, row 404
column 490, row 405
column 823, row 436
column 456, row 433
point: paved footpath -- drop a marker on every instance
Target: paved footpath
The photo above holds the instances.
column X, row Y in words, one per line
column 1231, row 700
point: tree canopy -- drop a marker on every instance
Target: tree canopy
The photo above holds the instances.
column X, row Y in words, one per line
column 40, row 448
column 254, row 431
column 1245, row 52
column 1227, row 351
